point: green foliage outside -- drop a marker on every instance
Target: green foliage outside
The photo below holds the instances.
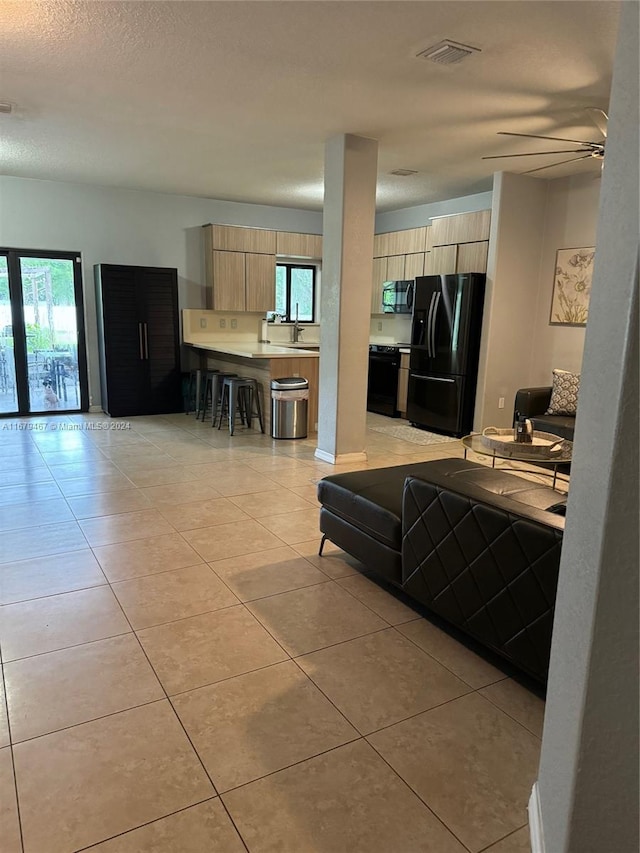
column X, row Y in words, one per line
column 301, row 293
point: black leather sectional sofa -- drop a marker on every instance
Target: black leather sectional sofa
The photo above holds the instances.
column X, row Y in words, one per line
column 478, row 546
column 533, row 403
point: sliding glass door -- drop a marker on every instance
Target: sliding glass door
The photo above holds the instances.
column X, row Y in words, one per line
column 42, row 344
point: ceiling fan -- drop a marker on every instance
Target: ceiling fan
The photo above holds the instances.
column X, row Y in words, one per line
column 587, row 148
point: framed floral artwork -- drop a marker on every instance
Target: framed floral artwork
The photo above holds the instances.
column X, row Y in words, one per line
column 572, row 287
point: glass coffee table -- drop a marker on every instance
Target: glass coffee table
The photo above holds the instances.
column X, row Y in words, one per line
column 475, row 443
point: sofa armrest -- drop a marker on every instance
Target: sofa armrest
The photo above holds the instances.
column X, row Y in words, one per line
column 485, row 563
column 532, row 401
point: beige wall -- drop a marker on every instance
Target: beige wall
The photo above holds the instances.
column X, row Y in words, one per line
column 517, row 228
column 570, row 222
column 531, row 218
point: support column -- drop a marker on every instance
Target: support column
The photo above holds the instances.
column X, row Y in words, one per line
column 586, row 798
column 350, row 174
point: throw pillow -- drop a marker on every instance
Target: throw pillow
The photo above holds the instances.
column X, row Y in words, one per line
column 564, row 393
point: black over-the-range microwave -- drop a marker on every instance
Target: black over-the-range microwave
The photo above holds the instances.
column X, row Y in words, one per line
column 397, row 297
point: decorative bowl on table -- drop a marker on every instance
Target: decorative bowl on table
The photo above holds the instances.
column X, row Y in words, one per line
column 544, row 445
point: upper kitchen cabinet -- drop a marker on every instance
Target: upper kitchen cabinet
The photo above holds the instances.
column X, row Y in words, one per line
column 413, row 265
column 228, row 281
column 395, row 268
column 260, row 282
column 460, row 228
column 441, row 260
column 239, row 280
column 460, row 258
column 472, row 257
column 289, row 243
column 395, row 243
column 233, row 238
column 407, row 242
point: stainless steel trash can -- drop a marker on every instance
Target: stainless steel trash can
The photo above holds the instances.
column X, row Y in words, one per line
column 289, row 404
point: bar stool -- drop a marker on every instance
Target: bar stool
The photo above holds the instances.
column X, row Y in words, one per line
column 212, row 386
column 240, row 394
column 202, row 398
column 193, row 392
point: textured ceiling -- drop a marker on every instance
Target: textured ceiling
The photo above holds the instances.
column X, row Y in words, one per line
column 234, row 100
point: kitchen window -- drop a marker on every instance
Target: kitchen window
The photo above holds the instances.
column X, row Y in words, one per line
column 296, row 285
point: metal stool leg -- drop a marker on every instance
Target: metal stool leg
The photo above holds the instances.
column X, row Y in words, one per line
column 256, row 391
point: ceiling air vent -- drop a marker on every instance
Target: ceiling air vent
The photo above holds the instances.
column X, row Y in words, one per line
column 448, row 52
column 403, row 172
column 6, row 108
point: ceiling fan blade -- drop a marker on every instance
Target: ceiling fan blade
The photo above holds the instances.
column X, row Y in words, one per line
column 554, row 138
column 600, row 119
column 536, row 153
column 561, row 163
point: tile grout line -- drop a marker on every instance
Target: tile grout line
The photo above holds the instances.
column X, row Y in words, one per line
column 175, row 715
column 11, row 746
column 487, row 849
column 290, row 657
column 425, row 804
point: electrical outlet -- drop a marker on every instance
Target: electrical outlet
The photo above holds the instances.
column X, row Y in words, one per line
column 223, row 324
column 203, row 322
column 501, row 402
column 379, row 325
column 234, row 323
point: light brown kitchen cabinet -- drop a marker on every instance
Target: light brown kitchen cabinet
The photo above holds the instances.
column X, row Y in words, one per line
column 403, row 383
column 379, row 277
column 472, row 257
column 441, row 259
column 413, row 265
column 239, row 281
column 407, row 242
column 228, row 278
column 380, row 245
column 260, row 282
column 298, row 245
column 460, row 228
column 465, row 257
column 234, row 238
column 395, row 268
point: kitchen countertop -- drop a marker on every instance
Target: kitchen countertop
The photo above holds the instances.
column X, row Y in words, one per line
column 254, row 349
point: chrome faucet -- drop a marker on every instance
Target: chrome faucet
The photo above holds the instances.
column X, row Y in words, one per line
column 297, row 331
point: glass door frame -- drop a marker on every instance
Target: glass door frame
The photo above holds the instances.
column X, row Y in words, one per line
column 13, row 257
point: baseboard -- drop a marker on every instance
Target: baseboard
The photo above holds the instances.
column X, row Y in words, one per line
column 340, row 458
column 95, row 410
column 536, row 833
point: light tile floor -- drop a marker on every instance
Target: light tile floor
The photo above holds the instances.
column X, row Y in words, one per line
column 183, row 674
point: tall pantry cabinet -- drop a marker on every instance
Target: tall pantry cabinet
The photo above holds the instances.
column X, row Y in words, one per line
column 139, row 339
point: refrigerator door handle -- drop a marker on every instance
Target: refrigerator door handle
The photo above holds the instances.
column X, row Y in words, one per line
column 429, row 315
column 146, row 342
column 432, row 327
column 140, row 347
column 431, row 378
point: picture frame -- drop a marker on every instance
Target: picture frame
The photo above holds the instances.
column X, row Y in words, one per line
column 572, row 287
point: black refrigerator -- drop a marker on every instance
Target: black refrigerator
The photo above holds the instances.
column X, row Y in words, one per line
column 446, row 323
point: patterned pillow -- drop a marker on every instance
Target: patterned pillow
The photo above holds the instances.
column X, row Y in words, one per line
column 564, row 393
